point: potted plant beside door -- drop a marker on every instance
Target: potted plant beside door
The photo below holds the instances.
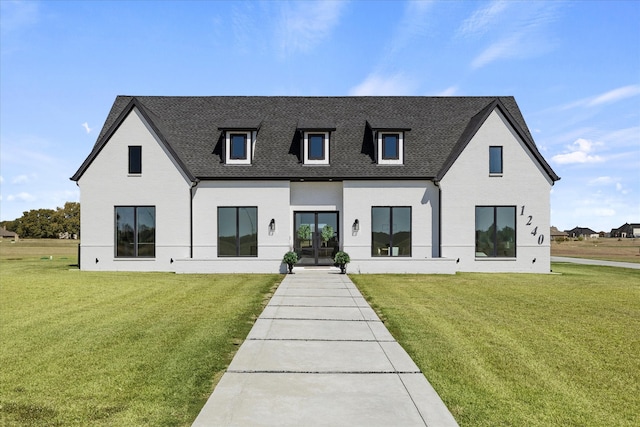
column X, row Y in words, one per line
column 342, row 259
column 290, row 258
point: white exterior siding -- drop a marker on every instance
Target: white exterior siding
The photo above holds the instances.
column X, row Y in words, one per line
column 107, row 184
column 468, row 184
column 422, row 197
column 272, row 200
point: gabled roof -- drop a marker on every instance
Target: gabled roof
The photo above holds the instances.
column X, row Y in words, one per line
column 436, row 131
column 580, row 231
column 474, row 125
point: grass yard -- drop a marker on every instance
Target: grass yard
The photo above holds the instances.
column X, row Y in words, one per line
column 608, row 249
column 81, row 348
column 519, row 349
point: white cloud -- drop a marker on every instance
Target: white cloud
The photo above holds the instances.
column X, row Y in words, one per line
column 506, row 48
column 604, row 212
column 23, row 179
column 515, row 32
column 376, row 85
column 608, row 97
column 450, row 91
column 581, row 149
column 21, row 197
column 615, row 95
column 86, row 127
column 304, row 25
column 1, row 179
column 602, row 180
column 482, row 19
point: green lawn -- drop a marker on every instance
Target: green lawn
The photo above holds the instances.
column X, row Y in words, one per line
column 522, row 350
column 81, row 348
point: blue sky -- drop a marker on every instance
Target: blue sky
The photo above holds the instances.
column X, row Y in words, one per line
column 573, row 67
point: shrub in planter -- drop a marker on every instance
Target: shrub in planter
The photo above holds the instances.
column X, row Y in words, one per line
column 290, row 258
column 342, row 259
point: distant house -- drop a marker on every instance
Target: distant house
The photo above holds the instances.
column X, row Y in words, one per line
column 230, row 184
column 626, row 230
column 6, row 234
column 584, row 232
column 557, row 234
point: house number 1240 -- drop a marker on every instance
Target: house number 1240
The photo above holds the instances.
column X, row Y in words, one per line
column 534, row 232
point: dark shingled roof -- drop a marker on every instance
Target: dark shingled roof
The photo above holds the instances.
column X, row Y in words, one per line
column 437, row 130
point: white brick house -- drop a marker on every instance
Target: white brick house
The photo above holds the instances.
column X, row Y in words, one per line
column 229, row 184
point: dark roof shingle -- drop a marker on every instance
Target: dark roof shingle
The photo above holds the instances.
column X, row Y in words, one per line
column 192, row 127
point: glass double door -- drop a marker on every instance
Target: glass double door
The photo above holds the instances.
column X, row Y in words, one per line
column 316, row 237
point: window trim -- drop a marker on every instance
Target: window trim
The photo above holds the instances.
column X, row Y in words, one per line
column 249, row 140
column 308, row 160
column 135, row 232
column 501, row 158
column 382, row 160
column 133, row 170
column 495, row 255
column 237, row 236
column 391, row 233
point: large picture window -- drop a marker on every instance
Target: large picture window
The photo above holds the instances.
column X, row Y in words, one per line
column 136, row 231
column 496, row 231
column 237, row 231
column 390, row 231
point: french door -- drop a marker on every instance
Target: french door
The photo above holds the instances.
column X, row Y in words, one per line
column 316, row 237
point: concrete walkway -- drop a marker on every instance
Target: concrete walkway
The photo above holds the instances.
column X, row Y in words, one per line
column 595, row 262
column 320, row 356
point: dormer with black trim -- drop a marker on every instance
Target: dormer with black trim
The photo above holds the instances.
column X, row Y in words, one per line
column 315, row 137
column 388, row 140
column 239, row 141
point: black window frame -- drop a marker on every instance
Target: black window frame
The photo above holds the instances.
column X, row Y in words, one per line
column 231, row 145
column 493, row 149
column 238, row 237
column 135, row 159
column 323, row 137
column 136, row 232
column 496, row 244
column 397, row 146
column 391, row 232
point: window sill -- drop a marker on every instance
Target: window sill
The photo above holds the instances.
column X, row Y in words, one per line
column 495, row 175
column 133, row 258
column 496, row 258
column 134, row 174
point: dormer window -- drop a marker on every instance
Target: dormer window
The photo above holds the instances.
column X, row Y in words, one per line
column 238, row 146
column 316, row 146
column 390, row 148
column 388, row 140
column 239, row 141
column 315, row 142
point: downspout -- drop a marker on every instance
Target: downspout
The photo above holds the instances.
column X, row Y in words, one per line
column 192, row 192
column 437, row 184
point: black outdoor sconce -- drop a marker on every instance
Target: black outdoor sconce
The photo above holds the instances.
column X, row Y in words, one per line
column 356, row 225
column 272, row 225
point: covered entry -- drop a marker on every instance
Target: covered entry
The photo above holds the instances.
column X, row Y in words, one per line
column 316, row 237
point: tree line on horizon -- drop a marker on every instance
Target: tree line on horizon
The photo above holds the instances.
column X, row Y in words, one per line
column 47, row 223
